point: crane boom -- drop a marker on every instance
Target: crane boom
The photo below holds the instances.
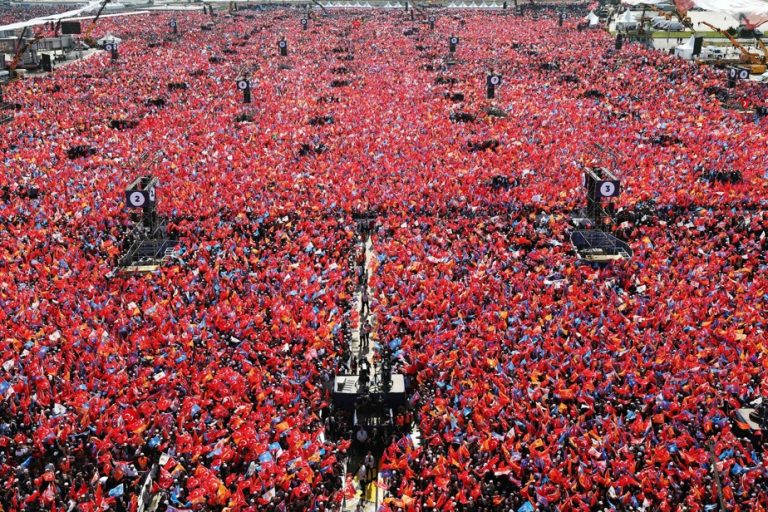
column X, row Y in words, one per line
column 762, row 46
column 20, row 40
column 325, row 11
column 96, row 18
column 20, row 51
column 746, row 56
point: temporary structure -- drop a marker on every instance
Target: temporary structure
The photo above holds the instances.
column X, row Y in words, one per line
column 685, row 51
column 626, row 21
column 109, row 38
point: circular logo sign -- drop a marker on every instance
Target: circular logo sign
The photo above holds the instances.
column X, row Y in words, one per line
column 109, row 47
column 136, row 199
column 454, row 40
column 173, row 23
column 495, row 80
column 242, row 84
column 282, row 44
column 304, row 21
column 607, row 189
column 431, row 19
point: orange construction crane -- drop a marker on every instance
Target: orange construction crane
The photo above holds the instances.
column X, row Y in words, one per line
column 762, row 46
column 755, row 63
column 21, row 47
column 87, row 35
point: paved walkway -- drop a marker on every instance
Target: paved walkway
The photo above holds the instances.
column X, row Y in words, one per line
column 357, row 502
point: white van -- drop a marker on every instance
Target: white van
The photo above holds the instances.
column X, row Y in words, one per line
column 713, row 53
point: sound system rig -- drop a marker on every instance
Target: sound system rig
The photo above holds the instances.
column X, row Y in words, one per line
column 46, row 62
column 492, row 81
column 592, row 239
column 453, row 41
column 246, row 85
column 149, row 245
column 698, row 42
column 735, row 73
column 111, row 47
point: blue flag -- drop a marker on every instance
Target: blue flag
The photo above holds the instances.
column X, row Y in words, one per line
column 527, row 507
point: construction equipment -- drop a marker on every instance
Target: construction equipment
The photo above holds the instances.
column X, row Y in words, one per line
column 681, row 15
column 761, row 45
column 748, row 29
column 325, row 11
column 21, row 47
column 87, row 37
column 756, row 64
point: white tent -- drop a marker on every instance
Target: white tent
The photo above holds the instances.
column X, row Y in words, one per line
column 685, row 51
column 109, row 38
column 593, row 19
column 626, row 21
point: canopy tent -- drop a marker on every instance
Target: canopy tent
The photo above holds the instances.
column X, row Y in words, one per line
column 626, row 21
column 593, row 19
column 109, row 38
column 685, row 51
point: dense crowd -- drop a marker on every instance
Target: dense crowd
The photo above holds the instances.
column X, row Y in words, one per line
column 15, row 13
column 539, row 383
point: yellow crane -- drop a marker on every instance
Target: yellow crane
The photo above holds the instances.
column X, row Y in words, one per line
column 21, row 47
column 755, row 63
column 762, row 46
column 87, row 36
